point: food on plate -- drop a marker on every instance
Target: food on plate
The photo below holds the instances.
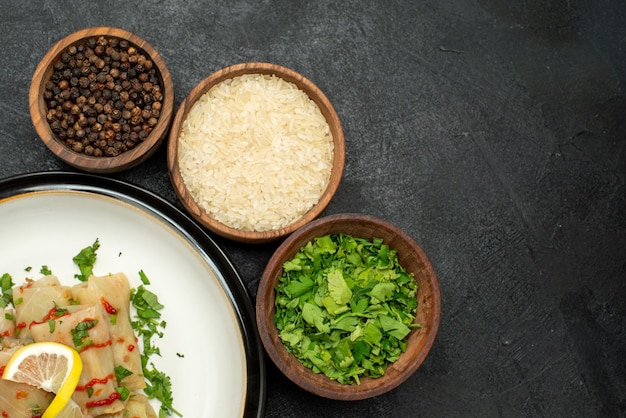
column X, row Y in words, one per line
column 255, row 152
column 53, row 367
column 18, row 399
column 113, row 294
column 7, row 328
column 345, row 307
column 92, row 320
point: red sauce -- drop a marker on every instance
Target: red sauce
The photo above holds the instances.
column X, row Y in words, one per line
column 97, row 345
column 52, row 314
column 103, row 402
column 131, row 347
column 5, row 414
column 26, row 286
column 20, row 394
column 21, row 325
column 107, row 307
column 6, row 333
column 2, row 370
column 94, row 382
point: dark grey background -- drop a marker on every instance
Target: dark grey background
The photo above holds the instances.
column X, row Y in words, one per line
column 492, row 131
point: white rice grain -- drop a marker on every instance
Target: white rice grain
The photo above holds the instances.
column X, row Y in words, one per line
column 255, row 152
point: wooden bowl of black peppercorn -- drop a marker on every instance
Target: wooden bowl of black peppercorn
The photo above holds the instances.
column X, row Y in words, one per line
column 102, row 100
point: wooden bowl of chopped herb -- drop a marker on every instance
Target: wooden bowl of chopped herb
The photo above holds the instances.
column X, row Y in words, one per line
column 348, row 307
column 102, row 100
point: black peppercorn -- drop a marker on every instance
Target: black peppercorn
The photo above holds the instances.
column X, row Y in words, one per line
column 77, row 147
column 103, row 97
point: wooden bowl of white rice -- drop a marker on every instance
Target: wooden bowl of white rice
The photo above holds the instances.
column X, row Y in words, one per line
column 255, row 152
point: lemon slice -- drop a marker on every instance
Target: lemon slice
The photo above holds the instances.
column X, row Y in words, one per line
column 50, row 366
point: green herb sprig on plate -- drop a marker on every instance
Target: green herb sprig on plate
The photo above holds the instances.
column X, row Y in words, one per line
column 147, row 324
column 345, row 306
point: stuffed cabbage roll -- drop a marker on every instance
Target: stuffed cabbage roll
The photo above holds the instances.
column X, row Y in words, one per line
column 112, row 292
column 36, row 301
column 7, row 323
column 138, row 406
column 85, row 329
column 19, row 400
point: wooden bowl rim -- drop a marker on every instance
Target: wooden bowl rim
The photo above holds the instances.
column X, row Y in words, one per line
column 318, row 383
column 99, row 165
column 313, row 92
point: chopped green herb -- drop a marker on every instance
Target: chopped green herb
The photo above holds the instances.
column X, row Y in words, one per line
column 58, row 311
column 6, row 286
column 8, row 316
column 45, row 271
column 147, row 325
column 147, row 304
column 52, row 325
column 344, row 307
column 121, row 372
column 29, row 268
column 123, row 391
column 85, row 260
column 143, row 277
column 90, row 391
column 159, row 386
column 80, row 334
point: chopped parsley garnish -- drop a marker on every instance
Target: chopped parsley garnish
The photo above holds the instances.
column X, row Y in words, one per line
column 123, row 391
column 148, row 324
column 6, row 286
column 121, row 372
column 45, row 270
column 85, row 260
column 159, row 386
column 147, row 304
column 80, row 334
column 144, row 278
column 344, row 307
column 58, row 311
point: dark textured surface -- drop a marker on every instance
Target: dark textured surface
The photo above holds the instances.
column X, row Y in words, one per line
column 493, row 132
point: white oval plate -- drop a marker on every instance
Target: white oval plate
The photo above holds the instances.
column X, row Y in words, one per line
column 210, row 348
